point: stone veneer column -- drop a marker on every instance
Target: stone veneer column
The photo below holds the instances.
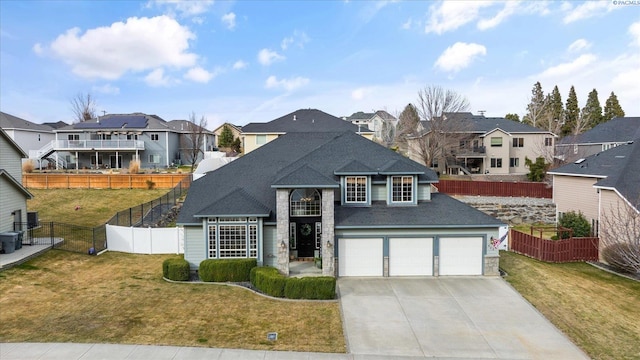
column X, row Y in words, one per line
column 282, row 230
column 328, row 233
column 491, row 265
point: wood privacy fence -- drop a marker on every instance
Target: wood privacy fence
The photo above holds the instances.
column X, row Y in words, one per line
column 495, row 188
column 101, row 181
column 566, row 250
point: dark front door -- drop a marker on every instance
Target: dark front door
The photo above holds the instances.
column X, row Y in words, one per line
column 306, row 239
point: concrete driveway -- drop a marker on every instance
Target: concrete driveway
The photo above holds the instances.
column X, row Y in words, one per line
column 459, row 317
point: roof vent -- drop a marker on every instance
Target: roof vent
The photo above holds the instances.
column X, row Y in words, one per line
column 579, row 161
column 294, row 117
column 620, row 156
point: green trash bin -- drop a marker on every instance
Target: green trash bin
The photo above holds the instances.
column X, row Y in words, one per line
column 8, row 240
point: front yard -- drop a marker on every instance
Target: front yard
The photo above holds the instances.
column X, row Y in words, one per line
column 599, row 311
column 121, row 298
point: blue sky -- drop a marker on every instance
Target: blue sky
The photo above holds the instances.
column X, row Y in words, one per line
column 253, row 61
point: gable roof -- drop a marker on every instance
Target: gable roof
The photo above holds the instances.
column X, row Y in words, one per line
column 303, row 120
column 11, row 180
column 233, row 127
column 13, row 143
column 619, row 129
column 8, row 121
column 135, row 121
column 300, row 159
column 481, row 125
column 183, row 126
column 368, row 116
column 618, row 168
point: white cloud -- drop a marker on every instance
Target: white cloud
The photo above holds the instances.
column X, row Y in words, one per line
column 586, row 10
column 634, row 30
column 508, row 10
column 198, row 74
column 184, row 7
column 360, row 93
column 267, row 57
column 229, row 20
column 407, row 24
column 450, row 15
column 240, row 65
column 156, row 78
column 107, row 89
column 459, row 56
column 139, row 44
column 286, row 84
column 299, row 38
column 37, row 48
column 569, row 68
column 579, row 45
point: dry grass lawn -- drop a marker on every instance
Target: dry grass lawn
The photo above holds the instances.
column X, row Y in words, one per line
column 96, row 206
column 121, row 298
column 599, row 311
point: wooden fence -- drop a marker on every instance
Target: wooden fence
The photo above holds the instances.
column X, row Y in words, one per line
column 495, row 188
column 566, row 250
column 101, row 181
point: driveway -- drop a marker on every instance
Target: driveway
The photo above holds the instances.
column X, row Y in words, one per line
column 459, row 317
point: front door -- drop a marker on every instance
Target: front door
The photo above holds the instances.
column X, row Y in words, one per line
column 306, row 239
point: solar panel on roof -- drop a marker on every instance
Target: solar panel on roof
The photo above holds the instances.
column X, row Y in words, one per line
column 115, row 122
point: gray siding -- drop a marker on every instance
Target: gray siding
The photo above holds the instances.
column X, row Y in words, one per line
column 195, row 246
column 269, row 246
column 10, row 159
column 424, row 192
column 12, row 199
column 379, row 192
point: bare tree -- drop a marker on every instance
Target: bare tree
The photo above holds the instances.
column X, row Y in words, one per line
column 193, row 141
column 83, row 107
column 620, row 236
column 441, row 135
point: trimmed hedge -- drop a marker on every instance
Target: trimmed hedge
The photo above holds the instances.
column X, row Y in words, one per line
column 271, row 282
column 175, row 269
column 223, row 270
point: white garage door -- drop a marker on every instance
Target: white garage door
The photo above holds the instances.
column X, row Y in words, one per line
column 461, row 256
column 360, row 257
column 410, row 256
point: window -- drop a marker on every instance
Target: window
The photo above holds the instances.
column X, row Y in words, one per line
column 496, row 163
column 514, row 162
column 305, row 202
column 548, row 141
column 518, row 142
column 356, row 189
column 402, row 188
column 155, row 137
column 154, row 158
column 73, row 137
column 261, row 139
column 236, row 239
column 318, row 234
column 496, row 141
column 292, row 236
column 132, row 137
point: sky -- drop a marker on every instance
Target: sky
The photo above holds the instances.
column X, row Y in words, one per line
column 254, row 61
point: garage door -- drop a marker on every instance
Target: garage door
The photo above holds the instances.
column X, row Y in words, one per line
column 410, row 256
column 360, row 257
column 461, row 256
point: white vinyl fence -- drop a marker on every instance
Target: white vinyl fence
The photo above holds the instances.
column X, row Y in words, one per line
column 145, row 240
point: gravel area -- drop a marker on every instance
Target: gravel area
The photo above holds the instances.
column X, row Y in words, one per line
column 502, row 200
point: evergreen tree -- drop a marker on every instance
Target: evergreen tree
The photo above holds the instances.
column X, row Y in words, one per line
column 592, row 111
column 513, row 117
column 226, row 137
column 555, row 110
column 612, row 108
column 571, row 113
column 407, row 125
column 536, row 107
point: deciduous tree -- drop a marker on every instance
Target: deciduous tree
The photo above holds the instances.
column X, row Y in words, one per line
column 536, row 107
column 193, row 140
column 408, row 121
column 83, row 107
column 512, row 117
column 620, row 236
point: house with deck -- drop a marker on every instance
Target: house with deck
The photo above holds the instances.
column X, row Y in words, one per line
column 335, row 195
column 28, row 135
column 378, row 122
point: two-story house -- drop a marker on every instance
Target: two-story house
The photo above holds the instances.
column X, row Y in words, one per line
column 488, row 146
column 378, row 122
column 28, row 135
column 255, row 135
column 364, row 209
column 604, row 136
column 13, row 196
column 114, row 140
column 236, row 131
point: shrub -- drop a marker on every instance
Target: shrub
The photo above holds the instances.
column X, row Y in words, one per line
column 269, row 281
column 134, row 167
column 28, row 166
column 622, row 256
column 320, row 288
column 175, row 269
column 577, row 222
column 537, row 169
column 223, row 270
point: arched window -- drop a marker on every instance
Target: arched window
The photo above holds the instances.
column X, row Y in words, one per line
column 305, row 202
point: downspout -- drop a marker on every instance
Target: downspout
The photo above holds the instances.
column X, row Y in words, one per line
column 166, row 148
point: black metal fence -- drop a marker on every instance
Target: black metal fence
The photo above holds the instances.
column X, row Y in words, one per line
column 152, row 212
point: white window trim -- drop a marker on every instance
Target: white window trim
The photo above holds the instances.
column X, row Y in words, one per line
column 366, row 190
column 402, row 177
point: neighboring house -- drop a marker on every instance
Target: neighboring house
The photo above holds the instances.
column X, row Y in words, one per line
column 190, row 132
column 490, row 146
column 612, row 133
column 255, row 135
column 13, row 196
column 235, row 130
column 366, row 210
column 114, row 140
column 599, row 184
column 28, row 135
column 374, row 121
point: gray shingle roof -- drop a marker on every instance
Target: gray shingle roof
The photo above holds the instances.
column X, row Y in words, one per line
column 276, row 163
column 304, row 120
column 8, row 121
column 614, row 130
column 481, row 124
column 137, row 121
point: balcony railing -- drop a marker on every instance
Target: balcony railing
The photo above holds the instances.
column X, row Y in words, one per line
column 98, row 145
column 471, row 151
